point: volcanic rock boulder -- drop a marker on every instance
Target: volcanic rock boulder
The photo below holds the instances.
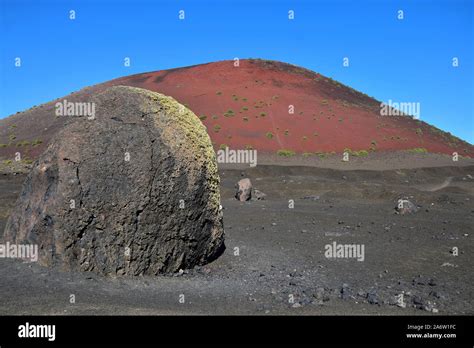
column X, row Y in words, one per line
column 135, row 190
column 244, row 190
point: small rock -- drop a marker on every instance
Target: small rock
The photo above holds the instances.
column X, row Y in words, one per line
column 313, row 198
column 258, row 195
column 320, row 295
column 418, row 302
column 372, row 298
column 404, row 206
column 435, row 294
column 346, row 292
column 447, row 264
column 244, row 190
column 429, row 307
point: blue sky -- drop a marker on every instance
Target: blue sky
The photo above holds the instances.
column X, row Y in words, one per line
column 407, row 60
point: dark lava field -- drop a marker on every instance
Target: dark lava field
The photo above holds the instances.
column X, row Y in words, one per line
column 275, row 259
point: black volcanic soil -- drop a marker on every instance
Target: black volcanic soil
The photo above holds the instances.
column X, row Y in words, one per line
column 281, row 251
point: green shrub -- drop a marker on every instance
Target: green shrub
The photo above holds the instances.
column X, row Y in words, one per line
column 23, row 143
column 229, row 113
column 418, row 150
column 202, row 117
column 360, row 153
column 286, row 153
column 219, row 93
column 269, row 135
column 223, row 146
column 217, row 128
column 36, row 142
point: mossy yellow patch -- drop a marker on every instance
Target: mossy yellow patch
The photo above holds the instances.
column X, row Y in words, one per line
column 186, row 136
